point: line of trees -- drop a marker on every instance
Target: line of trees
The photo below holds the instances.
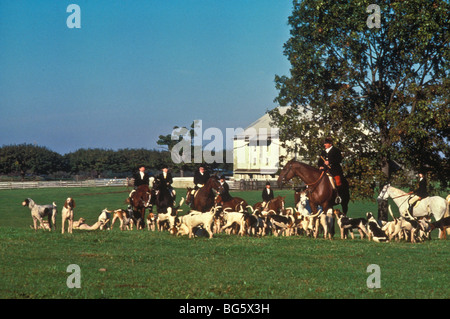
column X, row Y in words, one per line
column 27, row 159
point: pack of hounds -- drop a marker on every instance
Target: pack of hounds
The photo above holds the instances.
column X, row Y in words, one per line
column 243, row 221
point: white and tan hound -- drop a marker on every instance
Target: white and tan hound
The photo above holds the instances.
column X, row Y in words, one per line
column 67, row 214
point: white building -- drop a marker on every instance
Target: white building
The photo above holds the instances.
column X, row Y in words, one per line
column 257, row 150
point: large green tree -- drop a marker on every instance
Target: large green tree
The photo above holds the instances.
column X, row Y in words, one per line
column 381, row 91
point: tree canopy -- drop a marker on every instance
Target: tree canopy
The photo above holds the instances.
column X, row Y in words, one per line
column 381, row 93
column 92, row 162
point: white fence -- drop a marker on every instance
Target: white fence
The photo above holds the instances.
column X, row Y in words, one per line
column 50, row 184
column 178, row 182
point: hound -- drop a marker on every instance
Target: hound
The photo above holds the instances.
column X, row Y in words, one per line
column 281, row 224
column 403, row 226
column 443, row 225
column 255, row 225
column 195, row 219
column 151, row 221
column 233, row 217
column 81, row 224
column 374, row 229
column 104, row 218
column 67, row 214
column 170, row 217
column 45, row 225
column 323, row 221
column 126, row 221
column 40, row 211
column 347, row 223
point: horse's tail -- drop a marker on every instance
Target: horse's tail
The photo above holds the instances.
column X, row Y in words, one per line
column 447, row 211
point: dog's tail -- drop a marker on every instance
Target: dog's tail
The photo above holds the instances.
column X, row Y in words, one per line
column 177, row 209
column 390, row 212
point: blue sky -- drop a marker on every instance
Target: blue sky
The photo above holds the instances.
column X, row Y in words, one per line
column 135, row 69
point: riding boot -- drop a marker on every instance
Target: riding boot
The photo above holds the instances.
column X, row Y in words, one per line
column 410, row 209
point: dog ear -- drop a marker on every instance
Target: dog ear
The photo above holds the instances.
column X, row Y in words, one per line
column 73, row 203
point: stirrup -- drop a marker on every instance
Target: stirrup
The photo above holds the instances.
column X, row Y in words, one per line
column 338, row 199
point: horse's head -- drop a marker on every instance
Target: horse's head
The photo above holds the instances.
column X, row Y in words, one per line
column 286, row 174
column 384, row 194
column 156, row 184
column 189, row 195
column 214, row 183
column 141, row 197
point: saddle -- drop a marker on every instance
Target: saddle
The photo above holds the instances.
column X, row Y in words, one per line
column 335, row 181
column 332, row 181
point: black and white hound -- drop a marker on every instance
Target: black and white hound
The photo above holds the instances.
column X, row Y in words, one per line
column 348, row 224
column 40, row 211
column 375, row 231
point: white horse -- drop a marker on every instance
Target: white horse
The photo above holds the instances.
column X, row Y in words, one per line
column 434, row 205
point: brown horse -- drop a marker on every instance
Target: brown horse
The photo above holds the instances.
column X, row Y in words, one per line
column 204, row 198
column 140, row 200
column 320, row 190
column 236, row 204
column 276, row 205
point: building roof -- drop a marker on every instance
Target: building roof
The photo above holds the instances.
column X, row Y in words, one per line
column 262, row 127
column 264, row 121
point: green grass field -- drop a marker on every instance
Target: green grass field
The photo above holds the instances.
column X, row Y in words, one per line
column 143, row 264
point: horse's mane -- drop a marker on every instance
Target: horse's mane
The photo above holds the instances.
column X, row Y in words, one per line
column 398, row 190
column 305, row 165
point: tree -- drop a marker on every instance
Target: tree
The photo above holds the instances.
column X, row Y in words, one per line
column 29, row 159
column 170, row 142
column 382, row 93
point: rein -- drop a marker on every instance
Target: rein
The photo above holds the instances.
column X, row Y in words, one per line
column 406, row 194
column 320, row 177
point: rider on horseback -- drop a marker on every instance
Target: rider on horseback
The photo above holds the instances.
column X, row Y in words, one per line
column 330, row 161
column 267, row 195
column 225, row 193
column 419, row 193
column 140, row 178
column 166, row 180
column 200, row 178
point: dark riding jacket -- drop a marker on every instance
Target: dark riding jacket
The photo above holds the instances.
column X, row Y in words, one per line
column 267, row 196
column 225, row 193
column 421, row 191
column 138, row 180
column 166, row 182
column 200, row 179
column 334, row 157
